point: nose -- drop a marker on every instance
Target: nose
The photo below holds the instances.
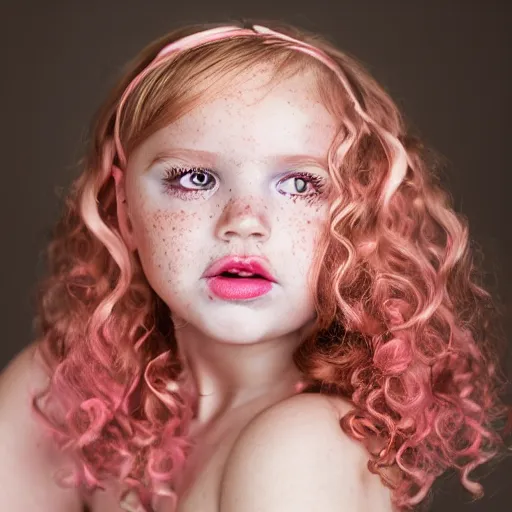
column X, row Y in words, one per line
column 244, row 219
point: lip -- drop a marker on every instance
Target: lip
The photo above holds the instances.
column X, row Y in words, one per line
column 253, row 264
column 239, row 288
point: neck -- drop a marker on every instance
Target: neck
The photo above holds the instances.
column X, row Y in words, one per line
column 228, row 376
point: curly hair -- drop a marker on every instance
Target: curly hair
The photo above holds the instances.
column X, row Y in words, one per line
column 404, row 325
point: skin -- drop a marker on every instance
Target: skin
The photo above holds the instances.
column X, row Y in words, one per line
column 238, row 352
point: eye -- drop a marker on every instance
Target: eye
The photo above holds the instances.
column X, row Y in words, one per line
column 193, row 179
column 199, row 179
column 302, row 184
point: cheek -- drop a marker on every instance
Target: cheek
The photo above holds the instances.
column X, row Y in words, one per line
column 167, row 240
column 305, row 229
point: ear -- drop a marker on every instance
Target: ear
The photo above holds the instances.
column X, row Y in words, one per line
column 123, row 218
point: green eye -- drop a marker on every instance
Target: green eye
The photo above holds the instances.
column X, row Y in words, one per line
column 302, row 184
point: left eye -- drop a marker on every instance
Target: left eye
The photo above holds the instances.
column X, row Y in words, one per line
column 303, row 184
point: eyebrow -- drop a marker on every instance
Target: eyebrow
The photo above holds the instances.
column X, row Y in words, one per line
column 211, row 159
column 202, row 157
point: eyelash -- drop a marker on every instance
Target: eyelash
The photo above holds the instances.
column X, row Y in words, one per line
column 171, row 174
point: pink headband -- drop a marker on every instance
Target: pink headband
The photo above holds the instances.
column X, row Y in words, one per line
column 207, row 36
column 216, row 34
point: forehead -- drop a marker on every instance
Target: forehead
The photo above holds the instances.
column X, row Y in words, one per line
column 252, row 118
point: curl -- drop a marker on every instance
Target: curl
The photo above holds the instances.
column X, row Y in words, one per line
column 394, row 331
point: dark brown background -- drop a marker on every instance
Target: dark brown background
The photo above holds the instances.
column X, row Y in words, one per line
column 446, row 63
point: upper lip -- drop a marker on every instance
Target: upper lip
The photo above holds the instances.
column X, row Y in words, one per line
column 253, row 264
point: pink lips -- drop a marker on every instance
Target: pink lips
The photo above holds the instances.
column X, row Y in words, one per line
column 243, row 287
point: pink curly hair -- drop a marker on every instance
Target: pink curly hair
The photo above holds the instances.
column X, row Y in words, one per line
column 403, row 326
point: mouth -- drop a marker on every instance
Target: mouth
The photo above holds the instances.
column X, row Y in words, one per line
column 238, row 267
column 240, row 275
column 239, row 278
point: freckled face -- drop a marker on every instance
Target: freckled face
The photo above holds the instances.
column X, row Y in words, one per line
column 259, row 188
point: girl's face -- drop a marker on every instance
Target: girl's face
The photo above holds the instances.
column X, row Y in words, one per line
column 244, row 175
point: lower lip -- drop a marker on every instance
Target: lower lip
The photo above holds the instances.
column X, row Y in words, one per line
column 239, row 288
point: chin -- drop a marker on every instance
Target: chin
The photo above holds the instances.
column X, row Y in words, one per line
column 237, row 331
column 248, row 329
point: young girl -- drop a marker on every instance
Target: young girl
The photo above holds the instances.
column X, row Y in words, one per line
column 259, row 298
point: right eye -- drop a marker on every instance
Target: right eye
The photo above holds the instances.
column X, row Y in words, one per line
column 192, row 179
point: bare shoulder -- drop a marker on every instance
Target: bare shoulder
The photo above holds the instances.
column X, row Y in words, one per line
column 27, row 457
column 23, row 368
column 22, row 376
column 294, row 456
